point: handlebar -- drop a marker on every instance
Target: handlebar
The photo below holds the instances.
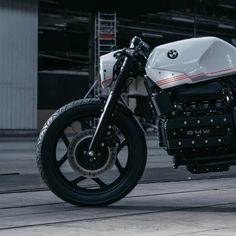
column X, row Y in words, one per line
column 135, row 42
column 139, row 46
column 131, row 59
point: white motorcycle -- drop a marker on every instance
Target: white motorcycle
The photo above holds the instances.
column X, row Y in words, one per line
column 192, row 88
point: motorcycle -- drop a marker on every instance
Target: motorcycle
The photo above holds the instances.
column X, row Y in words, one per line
column 92, row 152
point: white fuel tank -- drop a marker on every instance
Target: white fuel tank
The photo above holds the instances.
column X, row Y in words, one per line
column 190, row 61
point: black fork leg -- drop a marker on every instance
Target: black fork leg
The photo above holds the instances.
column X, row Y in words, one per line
column 110, row 105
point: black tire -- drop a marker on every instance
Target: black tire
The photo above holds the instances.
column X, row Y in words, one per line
column 51, row 169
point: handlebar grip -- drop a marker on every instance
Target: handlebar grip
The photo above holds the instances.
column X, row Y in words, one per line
column 135, row 42
column 139, row 46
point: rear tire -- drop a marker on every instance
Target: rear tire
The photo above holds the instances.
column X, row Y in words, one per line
column 68, row 184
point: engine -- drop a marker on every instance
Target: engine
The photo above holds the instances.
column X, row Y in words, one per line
column 198, row 126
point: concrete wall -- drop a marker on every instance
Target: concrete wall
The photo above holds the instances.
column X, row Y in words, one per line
column 18, row 64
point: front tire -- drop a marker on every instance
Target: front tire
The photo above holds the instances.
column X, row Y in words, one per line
column 68, row 124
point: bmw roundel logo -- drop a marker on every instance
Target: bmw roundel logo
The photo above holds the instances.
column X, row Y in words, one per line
column 172, row 54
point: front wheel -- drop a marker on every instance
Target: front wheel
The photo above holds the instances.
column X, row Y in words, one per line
column 90, row 181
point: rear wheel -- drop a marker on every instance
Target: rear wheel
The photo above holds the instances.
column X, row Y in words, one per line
column 76, row 177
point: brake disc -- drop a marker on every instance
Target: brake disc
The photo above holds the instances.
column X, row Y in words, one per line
column 85, row 165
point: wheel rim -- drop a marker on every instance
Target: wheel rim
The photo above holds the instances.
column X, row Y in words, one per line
column 76, row 181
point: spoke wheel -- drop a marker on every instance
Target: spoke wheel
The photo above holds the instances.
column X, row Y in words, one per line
column 82, row 180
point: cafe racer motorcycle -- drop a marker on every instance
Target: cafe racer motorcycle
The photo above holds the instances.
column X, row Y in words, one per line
column 92, row 152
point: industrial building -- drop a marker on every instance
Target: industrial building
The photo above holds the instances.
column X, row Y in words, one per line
column 49, row 48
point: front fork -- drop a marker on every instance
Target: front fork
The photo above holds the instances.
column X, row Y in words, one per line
column 110, row 105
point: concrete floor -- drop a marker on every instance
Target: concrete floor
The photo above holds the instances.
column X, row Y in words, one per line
column 165, row 202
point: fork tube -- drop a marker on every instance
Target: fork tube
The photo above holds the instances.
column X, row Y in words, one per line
column 110, row 105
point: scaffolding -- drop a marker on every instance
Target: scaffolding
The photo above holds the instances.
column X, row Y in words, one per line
column 105, row 42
